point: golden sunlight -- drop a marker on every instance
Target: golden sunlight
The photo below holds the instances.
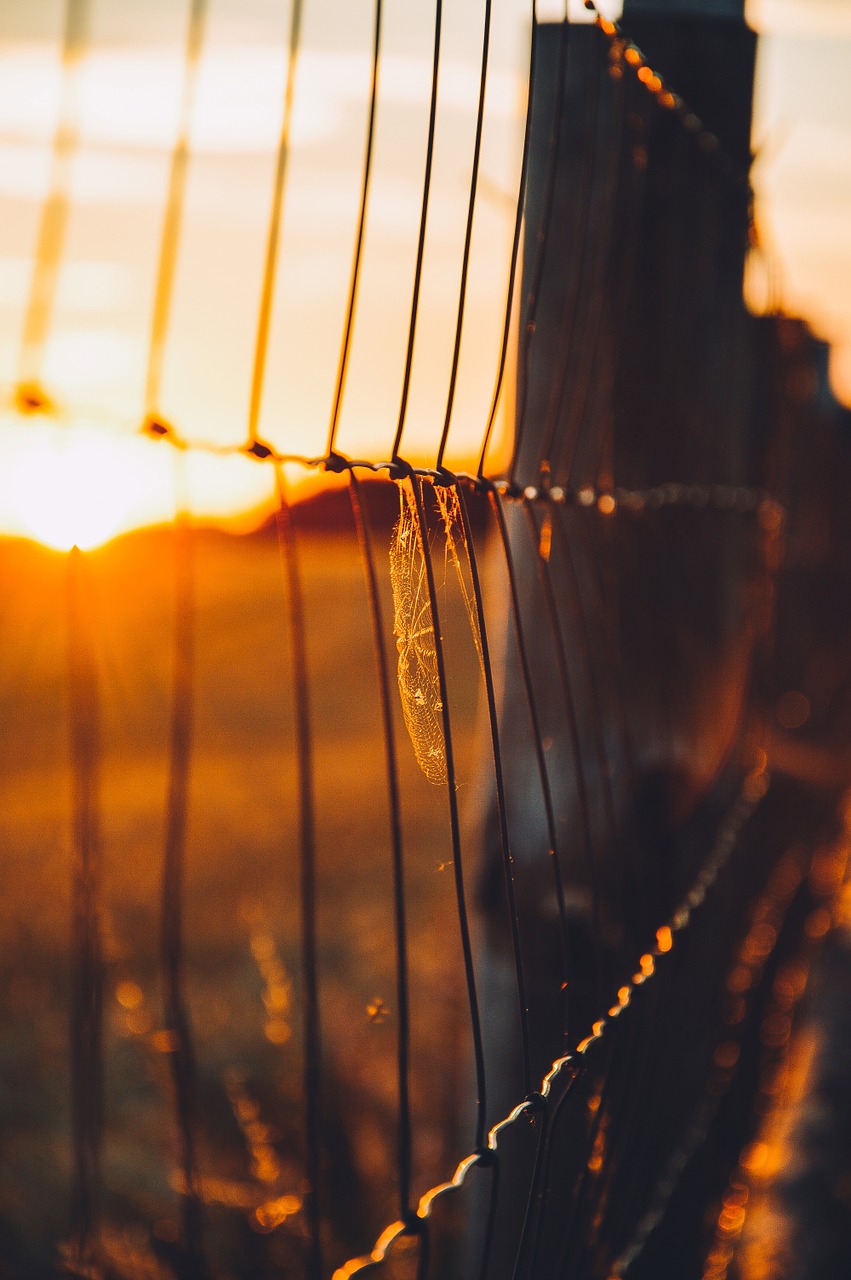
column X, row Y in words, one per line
column 79, row 486
column 68, row 482
column 67, row 486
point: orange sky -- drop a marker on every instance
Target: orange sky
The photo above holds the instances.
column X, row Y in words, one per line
column 802, row 136
column 95, row 358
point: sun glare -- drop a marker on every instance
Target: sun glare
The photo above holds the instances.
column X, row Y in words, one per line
column 99, row 279
column 77, row 486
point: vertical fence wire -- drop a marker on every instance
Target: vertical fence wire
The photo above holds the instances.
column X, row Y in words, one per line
column 356, row 261
column 468, row 235
column 542, row 243
column 682, row 238
column 175, row 200
column 499, row 788
column 581, row 379
column 290, row 565
column 623, row 1084
column 579, row 409
column 515, row 244
column 418, row 270
column 87, row 966
column 424, row 1252
column 192, row 1263
column 531, row 1216
column 576, row 257
column 490, row 1220
column 455, row 826
column 365, row 539
column 571, row 388
column 534, row 717
column 621, row 280
column 582, row 638
column 273, row 237
column 554, row 1115
column 579, row 768
column 639, row 1072
column 177, row 1021
column 639, row 1039
column 54, row 214
column 597, row 613
column 605, row 604
column 579, row 1191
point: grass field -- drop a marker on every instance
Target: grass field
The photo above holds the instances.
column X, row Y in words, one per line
column 241, row 911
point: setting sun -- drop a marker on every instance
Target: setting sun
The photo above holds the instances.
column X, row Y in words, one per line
column 67, row 485
column 79, row 487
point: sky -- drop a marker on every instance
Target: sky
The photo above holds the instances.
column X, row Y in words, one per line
column 127, row 110
column 802, row 176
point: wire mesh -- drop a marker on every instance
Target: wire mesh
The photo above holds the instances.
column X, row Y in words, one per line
column 555, row 911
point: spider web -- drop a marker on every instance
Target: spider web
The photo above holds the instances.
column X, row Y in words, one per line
column 419, row 686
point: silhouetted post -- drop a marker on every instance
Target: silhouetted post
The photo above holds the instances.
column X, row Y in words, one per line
column 636, row 232
column 705, row 50
column 638, row 593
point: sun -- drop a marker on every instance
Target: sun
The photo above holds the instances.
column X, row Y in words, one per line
column 68, row 486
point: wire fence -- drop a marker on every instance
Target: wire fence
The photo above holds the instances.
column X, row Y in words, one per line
column 566, row 1025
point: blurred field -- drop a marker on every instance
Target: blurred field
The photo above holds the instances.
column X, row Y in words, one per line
column 241, row 918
